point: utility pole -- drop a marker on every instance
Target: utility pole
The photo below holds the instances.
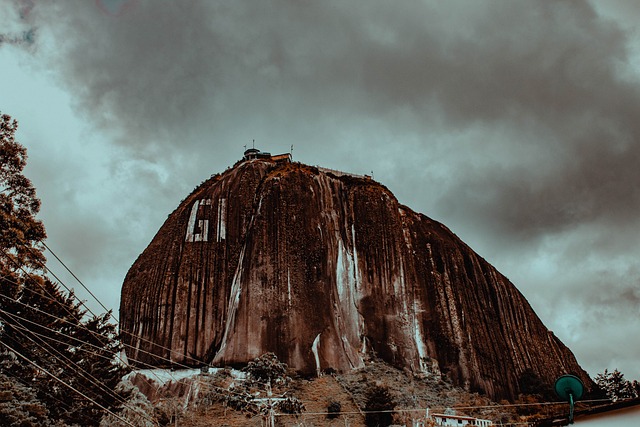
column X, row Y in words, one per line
column 271, row 421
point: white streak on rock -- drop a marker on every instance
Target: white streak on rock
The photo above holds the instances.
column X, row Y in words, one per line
column 222, row 220
column 288, row 288
column 234, row 301
column 417, row 335
column 314, row 349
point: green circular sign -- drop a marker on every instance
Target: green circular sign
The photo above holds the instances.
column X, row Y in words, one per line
column 569, row 385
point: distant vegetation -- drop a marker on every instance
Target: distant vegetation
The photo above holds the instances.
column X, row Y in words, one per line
column 616, row 386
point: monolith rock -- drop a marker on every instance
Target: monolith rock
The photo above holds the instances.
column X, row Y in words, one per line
column 327, row 270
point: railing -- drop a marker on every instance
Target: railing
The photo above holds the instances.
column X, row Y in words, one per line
column 341, row 173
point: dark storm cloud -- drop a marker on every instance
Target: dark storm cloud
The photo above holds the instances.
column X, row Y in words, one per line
column 515, row 123
column 543, row 78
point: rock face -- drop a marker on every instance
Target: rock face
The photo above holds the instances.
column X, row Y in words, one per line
column 325, row 270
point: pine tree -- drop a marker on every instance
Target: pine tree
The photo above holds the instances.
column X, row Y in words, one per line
column 616, row 386
column 46, row 337
column 19, row 405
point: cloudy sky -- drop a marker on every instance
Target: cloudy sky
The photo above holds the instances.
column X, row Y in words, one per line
column 515, row 123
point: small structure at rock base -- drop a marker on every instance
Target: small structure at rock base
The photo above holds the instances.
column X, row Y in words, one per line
column 459, row 420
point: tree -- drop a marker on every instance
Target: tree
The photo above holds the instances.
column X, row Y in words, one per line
column 46, row 338
column 267, row 369
column 333, row 409
column 137, row 410
column 379, row 407
column 616, row 386
column 19, row 405
column 20, row 232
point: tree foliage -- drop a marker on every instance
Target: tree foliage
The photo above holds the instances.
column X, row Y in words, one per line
column 379, row 407
column 20, row 231
column 46, row 338
column 616, row 386
column 267, row 369
column 290, row 405
column 333, row 409
column 137, row 410
column 19, row 405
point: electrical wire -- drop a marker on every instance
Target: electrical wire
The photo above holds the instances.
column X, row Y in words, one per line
column 28, row 275
column 144, row 378
column 189, row 367
column 15, row 377
column 83, row 327
column 97, row 334
column 76, row 277
column 72, row 314
column 157, row 387
column 65, row 384
column 44, row 338
column 406, row 409
column 65, row 361
column 122, row 331
column 21, row 326
column 139, row 338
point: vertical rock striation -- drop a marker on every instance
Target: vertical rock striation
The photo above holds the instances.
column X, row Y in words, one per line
column 324, row 270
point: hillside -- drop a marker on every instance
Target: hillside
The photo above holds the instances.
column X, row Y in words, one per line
column 202, row 400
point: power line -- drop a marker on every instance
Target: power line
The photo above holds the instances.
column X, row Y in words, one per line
column 75, row 277
column 110, row 313
column 21, row 326
column 88, row 330
column 28, row 275
column 80, row 301
column 65, row 384
column 65, row 361
column 80, row 325
column 396, row 410
column 156, row 387
column 65, row 335
column 139, row 338
column 16, row 378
